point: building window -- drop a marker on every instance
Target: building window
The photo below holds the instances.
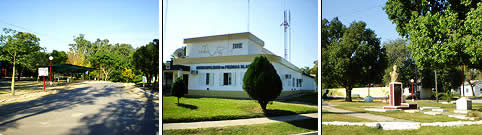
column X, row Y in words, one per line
column 207, row 78
column 293, row 82
column 227, row 79
column 237, row 45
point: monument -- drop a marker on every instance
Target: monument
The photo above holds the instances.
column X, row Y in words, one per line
column 395, row 94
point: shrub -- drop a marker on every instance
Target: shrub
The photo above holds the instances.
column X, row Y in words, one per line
column 262, row 82
column 178, row 88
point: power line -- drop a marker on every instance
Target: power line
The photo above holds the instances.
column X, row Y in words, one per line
column 13, row 25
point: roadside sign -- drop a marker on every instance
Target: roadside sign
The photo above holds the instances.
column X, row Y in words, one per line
column 43, row 71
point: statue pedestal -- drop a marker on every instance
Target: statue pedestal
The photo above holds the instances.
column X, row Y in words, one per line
column 395, row 93
column 463, row 104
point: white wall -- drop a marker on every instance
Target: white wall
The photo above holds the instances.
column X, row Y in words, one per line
column 222, row 48
column 198, row 81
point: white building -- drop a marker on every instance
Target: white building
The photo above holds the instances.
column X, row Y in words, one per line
column 468, row 88
column 217, row 65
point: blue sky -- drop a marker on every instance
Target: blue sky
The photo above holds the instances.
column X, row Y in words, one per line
column 196, row 18
column 56, row 22
column 369, row 11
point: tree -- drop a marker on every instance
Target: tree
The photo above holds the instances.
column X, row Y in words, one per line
column 146, row 59
column 314, row 70
column 105, row 62
column 332, row 32
column 15, row 47
column 347, row 59
column 60, row 57
column 262, row 82
column 442, row 33
column 398, row 54
column 305, row 70
column 78, row 50
column 128, row 73
column 178, row 88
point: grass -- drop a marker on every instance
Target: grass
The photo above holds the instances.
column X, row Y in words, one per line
column 330, row 116
column 309, row 97
column 277, row 128
column 359, row 106
column 206, row 109
column 425, row 130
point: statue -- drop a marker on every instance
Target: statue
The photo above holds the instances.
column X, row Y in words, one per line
column 394, row 74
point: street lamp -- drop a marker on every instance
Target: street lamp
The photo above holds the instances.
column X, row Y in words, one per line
column 411, row 80
column 369, row 67
column 50, row 67
column 369, row 98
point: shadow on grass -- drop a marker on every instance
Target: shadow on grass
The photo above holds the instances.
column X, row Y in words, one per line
column 311, row 124
column 192, row 107
column 291, row 118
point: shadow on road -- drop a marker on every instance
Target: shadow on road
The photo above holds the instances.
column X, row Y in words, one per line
column 127, row 117
column 11, row 113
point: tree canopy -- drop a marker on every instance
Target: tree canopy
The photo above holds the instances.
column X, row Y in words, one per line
column 262, row 82
column 441, row 33
column 17, row 47
column 350, row 55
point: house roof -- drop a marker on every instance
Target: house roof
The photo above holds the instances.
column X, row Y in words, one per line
column 243, row 35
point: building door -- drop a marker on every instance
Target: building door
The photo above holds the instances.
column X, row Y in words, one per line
column 186, row 81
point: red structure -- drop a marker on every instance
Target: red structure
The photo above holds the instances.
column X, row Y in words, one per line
column 395, row 93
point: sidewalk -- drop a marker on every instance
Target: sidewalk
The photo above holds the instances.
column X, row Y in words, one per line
column 222, row 123
column 364, row 115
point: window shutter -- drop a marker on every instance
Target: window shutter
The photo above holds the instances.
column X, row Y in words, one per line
column 234, row 78
column 211, row 79
column 221, row 79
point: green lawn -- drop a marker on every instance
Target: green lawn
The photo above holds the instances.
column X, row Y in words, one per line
column 204, row 109
column 359, row 106
column 425, row 130
column 330, row 116
column 308, row 97
column 277, row 128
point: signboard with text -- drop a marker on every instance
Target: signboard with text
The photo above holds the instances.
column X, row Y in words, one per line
column 43, row 71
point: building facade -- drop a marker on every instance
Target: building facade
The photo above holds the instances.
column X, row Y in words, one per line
column 217, row 65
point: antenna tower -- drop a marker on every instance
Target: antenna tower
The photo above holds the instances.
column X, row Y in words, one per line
column 285, row 24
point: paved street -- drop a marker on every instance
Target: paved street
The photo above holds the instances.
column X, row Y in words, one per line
column 92, row 108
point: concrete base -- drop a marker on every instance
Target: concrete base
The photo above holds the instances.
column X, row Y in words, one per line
column 462, row 117
column 428, row 108
column 439, row 110
column 412, row 111
column 396, row 107
column 433, row 113
column 382, row 110
column 462, row 111
column 410, row 106
column 368, row 99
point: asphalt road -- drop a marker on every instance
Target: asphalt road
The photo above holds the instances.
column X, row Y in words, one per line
column 97, row 108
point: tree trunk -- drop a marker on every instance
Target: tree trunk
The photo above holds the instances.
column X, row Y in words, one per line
column 177, row 100
column 12, row 86
column 348, row 93
column 436, row 87
column 472, row 87
column 263, row 105
column 155, row 80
